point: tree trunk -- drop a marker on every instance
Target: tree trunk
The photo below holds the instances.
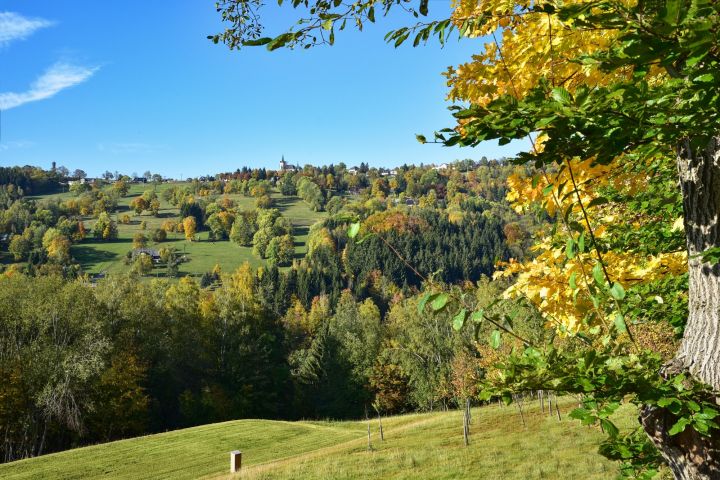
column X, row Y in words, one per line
column 690, row 455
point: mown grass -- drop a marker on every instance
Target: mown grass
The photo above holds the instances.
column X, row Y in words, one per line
column 417, row 446
column 98, row 256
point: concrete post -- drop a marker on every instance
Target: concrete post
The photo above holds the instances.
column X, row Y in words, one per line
column 235, row 461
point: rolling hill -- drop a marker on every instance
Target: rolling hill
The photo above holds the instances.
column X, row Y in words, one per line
column 428, row 446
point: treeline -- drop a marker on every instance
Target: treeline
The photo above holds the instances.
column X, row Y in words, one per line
column 85, row 363
column 330, row 334
column 31, row 180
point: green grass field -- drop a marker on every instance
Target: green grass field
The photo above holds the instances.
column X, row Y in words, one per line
column 97, row 256
column 417, row 446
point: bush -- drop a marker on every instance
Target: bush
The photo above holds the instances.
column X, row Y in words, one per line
column 143, row 264
column 139, row 240
column 159, row 235
column 263, row 202
column 169, row 226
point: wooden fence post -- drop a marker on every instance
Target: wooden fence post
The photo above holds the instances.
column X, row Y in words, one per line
column 235, row 461
column 369, row 446
column 557, row 409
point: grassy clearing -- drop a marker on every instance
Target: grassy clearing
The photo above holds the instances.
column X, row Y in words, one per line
column 96, row 256
column 427, row 446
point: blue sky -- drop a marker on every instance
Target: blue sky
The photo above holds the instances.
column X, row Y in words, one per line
column 135, row 86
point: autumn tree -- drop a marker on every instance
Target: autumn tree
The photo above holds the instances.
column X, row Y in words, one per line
column 281, row 250
column 613, row 90
column 139, row 204
column 189, row 227
column 105, row 228
column 139, row 240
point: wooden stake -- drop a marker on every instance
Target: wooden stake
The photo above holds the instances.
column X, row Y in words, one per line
column 235, row 461
column 550, row 403
column 382, row 436
column 369, row 447
column 522, row 417
column 466, row 431
column 557, row 409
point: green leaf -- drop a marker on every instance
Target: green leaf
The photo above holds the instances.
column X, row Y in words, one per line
column 706, row 78
column 617, row 291
column 353, row 230
column 609, row 428
column 569, row 251
column 257, row 42
column 423, row 301
column 598, row 274
column 358, row 242
column 667, row 401
column 439, row 302
column 597, row 201
column 478, row 316
column 459, row 319
column 573, row 280
column 424, row 7
column 495, row 339
column 620, row 323
column 561, row 95
column 679, row 426
column 421, row 138
column 711, row 255
column 672, row 8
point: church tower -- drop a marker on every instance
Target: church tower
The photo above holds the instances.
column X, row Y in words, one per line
column 283, row 164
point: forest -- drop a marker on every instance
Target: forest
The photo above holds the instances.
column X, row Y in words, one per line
column 328, row 335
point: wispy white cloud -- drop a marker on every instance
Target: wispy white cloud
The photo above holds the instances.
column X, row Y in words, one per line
column 58, row 77
column 16, row 27
column 14, row 144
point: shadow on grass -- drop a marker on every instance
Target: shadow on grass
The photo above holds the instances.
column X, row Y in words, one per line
column 283, row 203
column 299, row 231
column 91, row 255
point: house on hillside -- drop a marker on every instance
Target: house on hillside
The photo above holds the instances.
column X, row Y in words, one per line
column 154, row 254
column 442, row 166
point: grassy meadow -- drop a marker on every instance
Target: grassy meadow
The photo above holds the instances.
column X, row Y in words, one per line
column 427, row 446
column 99, row 256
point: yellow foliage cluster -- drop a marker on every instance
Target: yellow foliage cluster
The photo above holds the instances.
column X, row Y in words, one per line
column 545, row 281
column 558, row 285
column 531, row 46
column 534, row 45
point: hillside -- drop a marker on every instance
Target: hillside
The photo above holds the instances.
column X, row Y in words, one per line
column 108, row 256
column 416, row 446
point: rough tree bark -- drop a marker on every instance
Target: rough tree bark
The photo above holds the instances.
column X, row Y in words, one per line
column 690, row 455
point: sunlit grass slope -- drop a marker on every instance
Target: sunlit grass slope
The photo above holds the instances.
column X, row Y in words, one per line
column 421, row 446
column 98, row 256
